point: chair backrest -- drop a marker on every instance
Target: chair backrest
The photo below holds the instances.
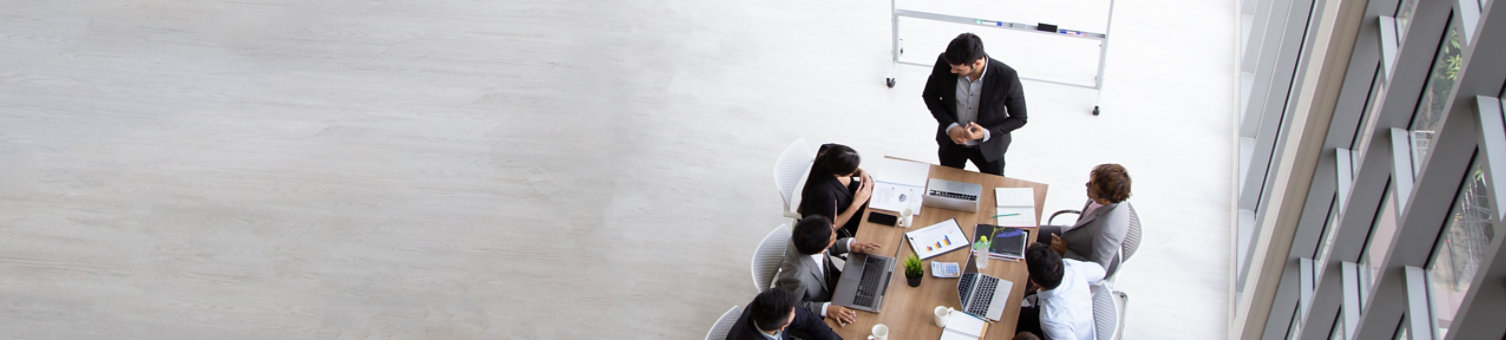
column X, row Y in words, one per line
column 1105, row 313
column 1131, row 236
column 1121, row 300
column 769, row 255
column 789, row 169
column 724, row 325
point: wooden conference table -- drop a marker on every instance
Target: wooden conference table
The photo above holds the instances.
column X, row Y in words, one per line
column 908, row 310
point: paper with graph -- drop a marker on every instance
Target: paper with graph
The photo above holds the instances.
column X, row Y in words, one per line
column 897, row 184
column 937, row 239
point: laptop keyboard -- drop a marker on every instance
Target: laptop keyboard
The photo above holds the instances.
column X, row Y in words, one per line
column 948, row 194
column 868, row 286
column 983, row 296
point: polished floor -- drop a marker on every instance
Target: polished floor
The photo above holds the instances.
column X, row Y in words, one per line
column 521, row 169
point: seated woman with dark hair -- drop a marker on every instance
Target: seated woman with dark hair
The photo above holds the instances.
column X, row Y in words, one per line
column 832, row 191
column 1099, row 232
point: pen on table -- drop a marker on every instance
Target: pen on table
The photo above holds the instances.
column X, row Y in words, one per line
column 1007, row 215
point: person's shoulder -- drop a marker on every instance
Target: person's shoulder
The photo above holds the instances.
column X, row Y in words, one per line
column 1078, row 265
column 741, row 329
column 1000, row 65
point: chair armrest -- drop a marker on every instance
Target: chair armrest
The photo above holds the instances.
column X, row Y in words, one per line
column 1059, row 212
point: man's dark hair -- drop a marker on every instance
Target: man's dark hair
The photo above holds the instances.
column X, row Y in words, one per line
column 812, row 234
column 964, row 50
column 1044, row 265
column 771, row 308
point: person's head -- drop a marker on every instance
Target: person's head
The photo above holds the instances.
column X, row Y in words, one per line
column 813, row 234
column 1044, row 266
column 836, row 160
column 1109, row 183
column 831, row 160
column 965, row 54
column 1026, row 336
column 773, row 310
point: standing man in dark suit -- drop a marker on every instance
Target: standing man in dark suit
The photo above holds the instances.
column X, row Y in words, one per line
column 977, row 102
column 773, row 315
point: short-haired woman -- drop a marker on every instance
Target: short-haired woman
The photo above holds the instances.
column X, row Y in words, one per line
column 1099, row 231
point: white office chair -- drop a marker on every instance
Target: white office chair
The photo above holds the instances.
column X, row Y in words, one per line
column 724, row 325
column 769, row 255
column 789, row 170
column 1108, row 312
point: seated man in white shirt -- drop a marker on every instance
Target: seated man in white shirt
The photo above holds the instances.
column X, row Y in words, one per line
column 1064, row 305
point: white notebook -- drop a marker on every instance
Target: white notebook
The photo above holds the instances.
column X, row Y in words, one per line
column 962, row 326
column 1016, row 207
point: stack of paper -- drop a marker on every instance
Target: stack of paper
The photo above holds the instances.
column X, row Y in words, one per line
column 1005, row 243
column 1016, row 207
column 897, row 184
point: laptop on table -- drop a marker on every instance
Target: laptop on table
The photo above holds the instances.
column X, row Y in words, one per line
column 865, row 280
column 982, row 295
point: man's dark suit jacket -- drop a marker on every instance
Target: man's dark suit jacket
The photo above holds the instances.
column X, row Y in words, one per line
column 1001, row 90
column 806, row 324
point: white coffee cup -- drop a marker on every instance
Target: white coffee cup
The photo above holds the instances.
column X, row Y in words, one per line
column 904, row 217
column 942, row 312
column 880, row 332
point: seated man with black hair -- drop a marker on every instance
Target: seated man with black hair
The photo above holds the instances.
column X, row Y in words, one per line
column 772, row 315
column 808, row 272
column 1064, row 305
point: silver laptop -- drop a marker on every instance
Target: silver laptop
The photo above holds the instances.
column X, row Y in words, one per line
column 982, row 295
column 946, row 194
column 865, row 279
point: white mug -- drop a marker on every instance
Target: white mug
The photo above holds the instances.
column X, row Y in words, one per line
column 942, row 312
column 880, row 332
column 904, row 217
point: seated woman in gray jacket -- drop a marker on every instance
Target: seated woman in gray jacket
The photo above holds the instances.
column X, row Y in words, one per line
column 1099, row 232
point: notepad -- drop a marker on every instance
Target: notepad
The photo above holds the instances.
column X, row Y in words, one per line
column 962, row 326
column 1016, row 207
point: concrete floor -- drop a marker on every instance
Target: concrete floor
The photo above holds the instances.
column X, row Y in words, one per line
column 520, row 169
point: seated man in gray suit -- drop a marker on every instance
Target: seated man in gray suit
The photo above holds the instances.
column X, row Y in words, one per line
column 773, row 315
column 808, row 272
column 1099, row 232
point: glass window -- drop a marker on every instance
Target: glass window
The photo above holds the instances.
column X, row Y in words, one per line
column 1338, row 327
column 1436, row 93
column 1328, row 231
column 1367, row 127
column 1404, row 18
column 1380, row 242
column 1466, row 236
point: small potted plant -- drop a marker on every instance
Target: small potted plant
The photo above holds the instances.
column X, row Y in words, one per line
column 913, row 271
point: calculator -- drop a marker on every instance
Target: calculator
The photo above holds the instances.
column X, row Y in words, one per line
column 945, row 269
